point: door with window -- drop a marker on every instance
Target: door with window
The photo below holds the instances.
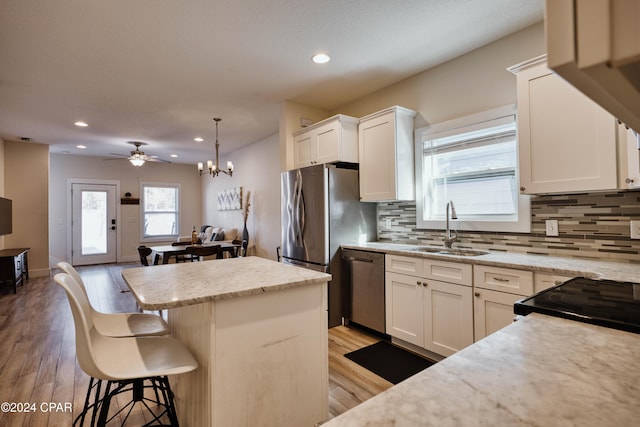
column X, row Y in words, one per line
column 94, row 228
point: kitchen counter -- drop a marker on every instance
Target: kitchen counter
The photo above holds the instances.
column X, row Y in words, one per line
column 177, row 285
column 573, row 267
column 539, row 371
column 257, row 328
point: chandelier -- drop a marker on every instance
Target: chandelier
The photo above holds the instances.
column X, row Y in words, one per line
column 214, row 168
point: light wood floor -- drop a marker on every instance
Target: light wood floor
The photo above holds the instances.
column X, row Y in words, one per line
column 38, row 363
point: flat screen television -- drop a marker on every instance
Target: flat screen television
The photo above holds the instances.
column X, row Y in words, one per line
column 6, row 216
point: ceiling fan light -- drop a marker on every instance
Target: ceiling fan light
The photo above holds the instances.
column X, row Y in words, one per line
column 137, row 161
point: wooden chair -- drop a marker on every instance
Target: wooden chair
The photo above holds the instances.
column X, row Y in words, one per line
column 144, row 252
column 182, row 256
column 242, row 250
column 202, row 251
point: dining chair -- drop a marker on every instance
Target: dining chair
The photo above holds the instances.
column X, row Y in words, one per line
column 202, row 251
column 144, row 252
column 242, row 250
column 182, row 256
column 125, row 364
column 119, row 324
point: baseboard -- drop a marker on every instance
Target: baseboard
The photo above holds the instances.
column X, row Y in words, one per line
column 41, row 272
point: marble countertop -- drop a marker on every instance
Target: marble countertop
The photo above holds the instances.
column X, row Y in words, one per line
column 167, row 286
column 539, row 371
column 565, row 266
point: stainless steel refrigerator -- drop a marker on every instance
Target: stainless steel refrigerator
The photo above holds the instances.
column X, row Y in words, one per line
column 321, row 210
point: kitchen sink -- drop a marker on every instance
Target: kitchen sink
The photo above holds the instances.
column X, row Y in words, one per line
column 450, row 251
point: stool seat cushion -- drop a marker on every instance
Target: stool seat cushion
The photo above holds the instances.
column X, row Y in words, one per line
column 142, row 357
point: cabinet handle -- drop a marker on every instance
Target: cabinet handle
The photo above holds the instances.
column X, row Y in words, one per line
column 500, row 279
column 418, row 283
column 628, row 180
column 425, row 284
column 522, row 188
column 476, row 294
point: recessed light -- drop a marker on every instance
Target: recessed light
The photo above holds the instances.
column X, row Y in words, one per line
column 173, row 155
column 81, row 124
column 81, row 146
column 198, row 139
column 320, row 58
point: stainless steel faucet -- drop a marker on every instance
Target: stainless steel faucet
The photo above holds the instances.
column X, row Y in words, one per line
column 448, row 238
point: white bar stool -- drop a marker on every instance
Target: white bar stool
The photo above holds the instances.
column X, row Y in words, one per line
column 125, row 363
column 120, row 324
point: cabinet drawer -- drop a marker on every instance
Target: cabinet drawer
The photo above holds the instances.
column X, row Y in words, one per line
column 544, row 281
column 451, row 272
column 405, row 265
column 517, row 282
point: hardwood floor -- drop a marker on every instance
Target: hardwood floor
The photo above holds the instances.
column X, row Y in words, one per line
column 38, row 361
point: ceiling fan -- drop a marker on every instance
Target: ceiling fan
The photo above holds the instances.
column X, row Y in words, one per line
column 137, row 157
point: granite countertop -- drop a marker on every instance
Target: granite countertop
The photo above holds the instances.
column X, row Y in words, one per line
column 167, row 286
column 622, row 271
column 539, row 371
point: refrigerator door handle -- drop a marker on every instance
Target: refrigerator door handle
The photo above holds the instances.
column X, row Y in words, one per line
column 298, row 210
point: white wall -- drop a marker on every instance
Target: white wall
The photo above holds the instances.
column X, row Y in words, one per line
column 471, row 83
column 64, row 167
column 256, row 169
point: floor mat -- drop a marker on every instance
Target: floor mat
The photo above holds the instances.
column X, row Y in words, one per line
column 388, row 361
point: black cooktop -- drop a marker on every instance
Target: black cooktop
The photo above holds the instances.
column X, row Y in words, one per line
column 600, row 302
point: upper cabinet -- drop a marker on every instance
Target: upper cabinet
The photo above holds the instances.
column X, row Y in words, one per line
column 331, row 140
column 566, row 142
column 386, row 155
column 595, row 45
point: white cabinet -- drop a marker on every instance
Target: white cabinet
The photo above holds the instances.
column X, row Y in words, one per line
column 331, row 140
column 493, row 311
column 630, row 158
column 566, row 142
column 429, row 313
column 496, row 289
column 544, row 281
column 385, row 143
column 403, row 307
column 448, row 317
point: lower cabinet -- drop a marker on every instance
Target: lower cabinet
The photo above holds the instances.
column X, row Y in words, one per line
column 403, row 308
column 433, row 305
column 448, row 317
column 496, row 290
column 493, row 311
column 432, row 314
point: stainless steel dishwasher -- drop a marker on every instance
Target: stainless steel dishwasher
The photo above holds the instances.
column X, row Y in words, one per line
column 365, row 273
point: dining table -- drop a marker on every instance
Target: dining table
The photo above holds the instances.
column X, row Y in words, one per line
column 167, row 251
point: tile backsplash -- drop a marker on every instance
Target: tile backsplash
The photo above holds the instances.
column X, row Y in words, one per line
column 593, row 225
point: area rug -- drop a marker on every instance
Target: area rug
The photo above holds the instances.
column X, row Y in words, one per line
column 388, row 361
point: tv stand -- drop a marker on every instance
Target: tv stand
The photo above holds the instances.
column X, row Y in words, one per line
column 13, row 266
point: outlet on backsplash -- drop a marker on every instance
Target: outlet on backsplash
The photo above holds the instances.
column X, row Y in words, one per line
column 387, row 223
column 551, row 226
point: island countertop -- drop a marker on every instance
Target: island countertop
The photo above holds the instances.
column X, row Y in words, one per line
column 161, row 287
column 539, row 371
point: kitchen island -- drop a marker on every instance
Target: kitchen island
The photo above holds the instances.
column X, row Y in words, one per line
column 539, row 371
column 258, row 330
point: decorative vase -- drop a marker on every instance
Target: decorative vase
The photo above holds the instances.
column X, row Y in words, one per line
column 245, row 234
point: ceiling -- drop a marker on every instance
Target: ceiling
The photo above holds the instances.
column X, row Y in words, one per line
column 158, row 71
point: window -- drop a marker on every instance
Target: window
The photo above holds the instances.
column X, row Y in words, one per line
column 160, row 211
column 473, row 162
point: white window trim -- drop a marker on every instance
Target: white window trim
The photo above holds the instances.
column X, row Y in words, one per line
column 145, row 239
column 523, row 225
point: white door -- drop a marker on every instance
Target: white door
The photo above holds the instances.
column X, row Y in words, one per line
column 93, row 224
